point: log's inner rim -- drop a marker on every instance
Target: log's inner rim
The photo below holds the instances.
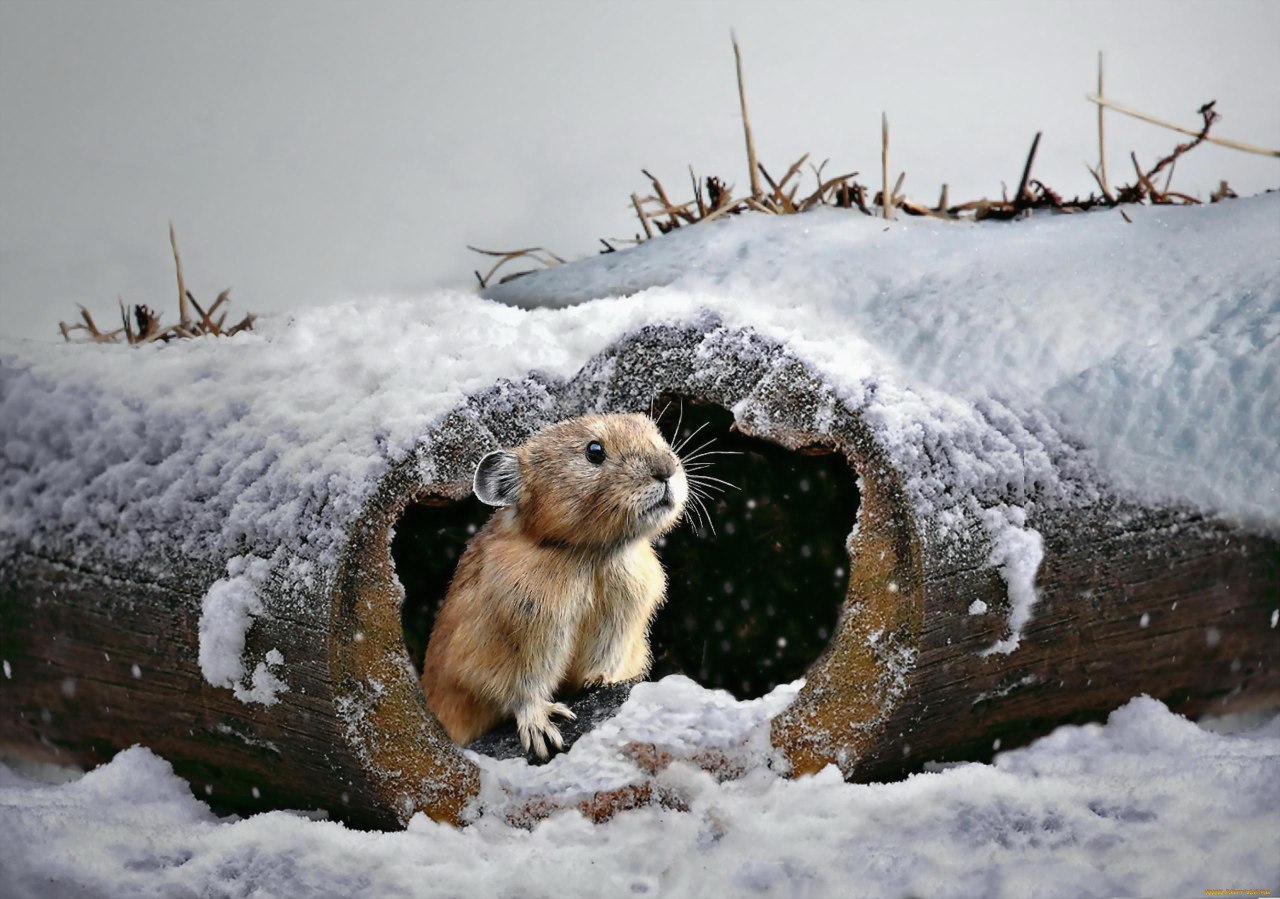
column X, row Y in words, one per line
column 749, row 607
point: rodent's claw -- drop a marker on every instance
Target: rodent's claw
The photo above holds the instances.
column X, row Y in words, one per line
column 559, row 708
column 533, row 722
column 531, row 739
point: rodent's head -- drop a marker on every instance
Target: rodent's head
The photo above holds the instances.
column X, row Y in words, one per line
column 599, row 480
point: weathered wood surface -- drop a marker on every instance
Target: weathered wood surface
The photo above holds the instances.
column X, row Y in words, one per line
column 904, row 680
column 97, row 663
column 1162, row 603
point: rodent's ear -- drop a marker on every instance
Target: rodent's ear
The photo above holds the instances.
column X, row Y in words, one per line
column 497, row 480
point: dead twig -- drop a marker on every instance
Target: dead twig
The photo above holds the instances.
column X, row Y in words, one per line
column 1103, row 183
column 124, row 320
column 1145, row 180
column 1223, row 192
column 1210, row 117
column 697, row 194
column 184, row 315
column 670, row 209
column 644, row 222
column 752, row 163
column 784, row 202
column 1220, row 141
column 1022, row 198
column 885, row 207
column 538, row 254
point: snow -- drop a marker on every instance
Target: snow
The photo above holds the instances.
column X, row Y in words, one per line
column 226, row 613
column 1016, row 554
column 1147, row 804
column 1006, row 371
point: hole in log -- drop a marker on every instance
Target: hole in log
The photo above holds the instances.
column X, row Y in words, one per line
column 754, row 604
column 429, row 540
column 748, row 607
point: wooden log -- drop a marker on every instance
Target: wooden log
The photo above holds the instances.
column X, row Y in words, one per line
column 102, row 653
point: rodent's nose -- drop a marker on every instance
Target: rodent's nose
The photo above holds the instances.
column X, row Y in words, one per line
column 663, row 470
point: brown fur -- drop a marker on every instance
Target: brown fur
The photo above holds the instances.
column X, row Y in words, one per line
column 557, row 590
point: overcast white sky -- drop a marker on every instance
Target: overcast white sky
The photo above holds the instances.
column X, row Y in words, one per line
column 309, row 151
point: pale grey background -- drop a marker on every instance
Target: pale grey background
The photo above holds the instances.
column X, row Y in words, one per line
column 317, row 150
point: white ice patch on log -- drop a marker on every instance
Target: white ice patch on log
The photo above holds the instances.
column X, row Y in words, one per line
column 1016, row 552
column 265, row 686
column 226, row 614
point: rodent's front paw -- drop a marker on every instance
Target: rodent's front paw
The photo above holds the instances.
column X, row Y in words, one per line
column 533, row 722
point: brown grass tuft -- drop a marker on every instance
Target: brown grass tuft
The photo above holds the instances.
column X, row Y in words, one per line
column 145, row 327
column 713, row 198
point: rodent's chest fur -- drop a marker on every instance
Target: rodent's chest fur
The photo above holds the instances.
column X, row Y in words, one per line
column 583, row 594
column 589, row 608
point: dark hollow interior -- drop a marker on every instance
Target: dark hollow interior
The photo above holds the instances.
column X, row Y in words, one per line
column 749, row 606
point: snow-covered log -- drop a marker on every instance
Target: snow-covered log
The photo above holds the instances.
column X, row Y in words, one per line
column 320, row 704
column 196, row 540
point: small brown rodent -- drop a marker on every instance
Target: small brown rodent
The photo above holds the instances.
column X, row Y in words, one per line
column 557, row 590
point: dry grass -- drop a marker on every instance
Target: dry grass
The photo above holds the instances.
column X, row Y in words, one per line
column 141, row 324
column 713, row 198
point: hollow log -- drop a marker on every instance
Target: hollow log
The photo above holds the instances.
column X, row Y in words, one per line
column 946, row 646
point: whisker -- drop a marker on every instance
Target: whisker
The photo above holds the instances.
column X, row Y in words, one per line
column 701, row 451
column 660, row 414
column 701, row 499
column 702, row 447
column 683, row 443
column 699, row 491
column 691, row 512
column 679, row 421
column 705, row 453
column 716, row 487
column 703, row 478
column 715, row 453
column 707, row 515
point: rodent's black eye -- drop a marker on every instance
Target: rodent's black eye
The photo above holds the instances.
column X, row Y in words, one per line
column 595, row 452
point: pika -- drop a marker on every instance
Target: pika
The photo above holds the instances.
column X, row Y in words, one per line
column 558, row 589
